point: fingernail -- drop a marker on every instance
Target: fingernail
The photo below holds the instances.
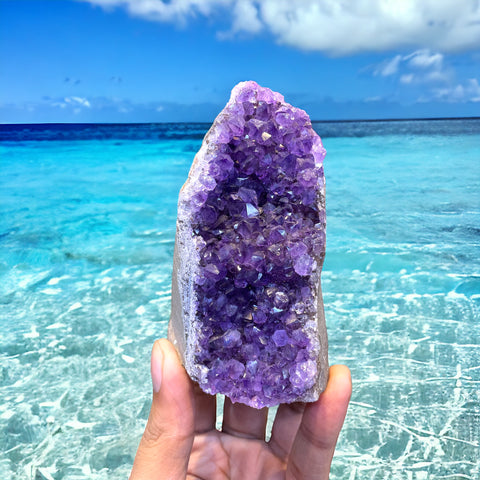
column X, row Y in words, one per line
column 156, row 367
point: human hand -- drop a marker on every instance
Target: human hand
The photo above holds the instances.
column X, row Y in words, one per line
column 180, row 440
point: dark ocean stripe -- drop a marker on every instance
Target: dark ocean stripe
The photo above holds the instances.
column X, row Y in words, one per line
column 196, row 131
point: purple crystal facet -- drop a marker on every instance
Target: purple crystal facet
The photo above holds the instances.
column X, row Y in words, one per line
column 254, row 205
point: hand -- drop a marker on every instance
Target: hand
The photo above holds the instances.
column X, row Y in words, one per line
column 180, row 440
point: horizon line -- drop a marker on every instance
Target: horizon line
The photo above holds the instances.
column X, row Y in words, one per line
column 399, row 119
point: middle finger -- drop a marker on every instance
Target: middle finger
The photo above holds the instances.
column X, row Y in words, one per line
column 244, row 421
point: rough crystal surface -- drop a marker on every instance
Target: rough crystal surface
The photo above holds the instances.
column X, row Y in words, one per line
column 247, row 312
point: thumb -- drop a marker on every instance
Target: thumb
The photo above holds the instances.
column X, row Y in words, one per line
column 165, row 446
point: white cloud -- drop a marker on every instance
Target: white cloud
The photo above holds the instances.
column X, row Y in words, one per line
column 77, row 101
column 59, row 104
column 337, row 28
column 407, row 78
column 429, row 71
column 425, row 59
column 473, row 88
column 438, row 76
column 421, row 66
column 72, row 102
column 178, row 11
column 389, row 67
column 467, row 92
column 245, row 17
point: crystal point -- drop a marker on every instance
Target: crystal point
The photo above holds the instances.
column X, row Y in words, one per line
column 247, row 312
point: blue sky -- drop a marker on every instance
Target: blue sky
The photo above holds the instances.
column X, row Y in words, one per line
column 177, row 60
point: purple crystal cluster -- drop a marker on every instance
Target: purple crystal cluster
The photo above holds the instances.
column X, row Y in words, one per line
column 255, row 208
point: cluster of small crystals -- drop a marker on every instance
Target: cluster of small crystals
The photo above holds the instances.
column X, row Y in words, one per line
column 260, row 231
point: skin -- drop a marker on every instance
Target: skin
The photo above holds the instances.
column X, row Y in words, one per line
column 181, row 442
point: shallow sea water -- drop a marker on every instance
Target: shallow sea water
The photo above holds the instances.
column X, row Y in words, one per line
column 87, row 224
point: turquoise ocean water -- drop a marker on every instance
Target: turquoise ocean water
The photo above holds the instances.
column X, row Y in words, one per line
column 87, row 223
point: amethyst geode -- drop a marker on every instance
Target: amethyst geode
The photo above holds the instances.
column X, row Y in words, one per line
column 247, row 312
